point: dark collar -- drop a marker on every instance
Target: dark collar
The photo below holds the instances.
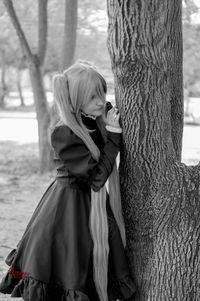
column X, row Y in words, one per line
column 89, row 122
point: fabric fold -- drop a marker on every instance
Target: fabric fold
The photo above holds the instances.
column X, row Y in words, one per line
column 9, row 259
column 32, row 289
column 123, row 288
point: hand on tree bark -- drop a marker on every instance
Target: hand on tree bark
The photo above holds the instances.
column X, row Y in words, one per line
column 112, row 118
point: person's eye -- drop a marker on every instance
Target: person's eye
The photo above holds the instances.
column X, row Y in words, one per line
column 93, row 96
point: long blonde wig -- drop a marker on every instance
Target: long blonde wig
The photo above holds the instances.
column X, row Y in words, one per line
column 72, row 89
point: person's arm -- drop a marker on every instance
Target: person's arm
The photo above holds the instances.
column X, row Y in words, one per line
column 79, row 162
column 103, row 169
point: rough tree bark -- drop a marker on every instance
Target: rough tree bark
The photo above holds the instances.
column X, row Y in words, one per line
column 69, row 39
column 160, row 195
column 35, row 62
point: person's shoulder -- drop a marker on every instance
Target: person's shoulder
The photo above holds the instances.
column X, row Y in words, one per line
column 63, row 134
column 60, row 130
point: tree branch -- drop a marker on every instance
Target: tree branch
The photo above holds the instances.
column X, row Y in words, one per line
column 42, row 29
column 14, row 19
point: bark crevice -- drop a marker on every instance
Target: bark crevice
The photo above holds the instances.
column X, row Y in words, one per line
column 160, row 195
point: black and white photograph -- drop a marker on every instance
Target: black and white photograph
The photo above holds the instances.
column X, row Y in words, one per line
column 100, row 150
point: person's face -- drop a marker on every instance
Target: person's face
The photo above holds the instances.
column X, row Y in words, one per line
column 94, row 107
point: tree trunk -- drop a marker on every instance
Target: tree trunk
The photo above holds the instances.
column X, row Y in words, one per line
column 22, row 103
column 42, row 29
column 43, row 116
column 34, row 65
column 3, row 86
column 69, row 40
column 160, row 195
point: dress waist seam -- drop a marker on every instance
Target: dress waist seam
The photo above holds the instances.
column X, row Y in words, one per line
column 69, row 182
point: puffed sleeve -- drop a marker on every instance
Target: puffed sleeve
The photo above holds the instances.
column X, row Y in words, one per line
column 79, row 162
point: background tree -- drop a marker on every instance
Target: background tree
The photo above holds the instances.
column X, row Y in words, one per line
column 21, row 64
column 8, row 57
column 35, row 62
column 160, row 195
column 3, row 86
column 69, row 37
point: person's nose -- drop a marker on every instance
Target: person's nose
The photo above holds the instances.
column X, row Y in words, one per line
column 100, row 102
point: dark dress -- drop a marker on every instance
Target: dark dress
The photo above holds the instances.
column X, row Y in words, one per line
column 55, row 251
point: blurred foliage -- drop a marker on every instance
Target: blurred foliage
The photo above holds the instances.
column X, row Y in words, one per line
column 91, row 33
column 191, row 59
column 189, row 8
column 91, row 37
column 191, row 49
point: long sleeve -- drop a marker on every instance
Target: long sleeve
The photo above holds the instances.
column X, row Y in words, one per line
column 103, row 169
column 78, row 160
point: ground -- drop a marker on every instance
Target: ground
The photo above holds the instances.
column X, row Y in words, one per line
column 22, row 186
